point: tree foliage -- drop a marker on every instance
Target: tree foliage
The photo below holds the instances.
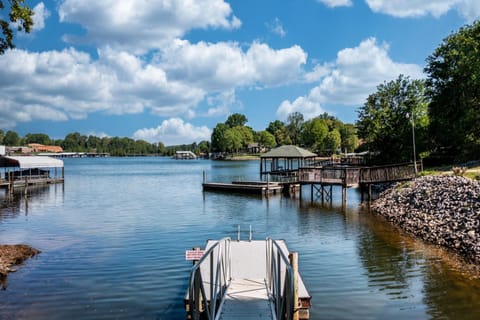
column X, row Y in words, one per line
column 236, row 120
column 20, row 16
column 454, row 88
column 385, row 120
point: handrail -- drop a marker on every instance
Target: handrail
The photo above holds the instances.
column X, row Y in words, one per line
column 281, row 290
column 219, row 280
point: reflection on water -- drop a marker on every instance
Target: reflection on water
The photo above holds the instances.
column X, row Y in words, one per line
column 113, row 240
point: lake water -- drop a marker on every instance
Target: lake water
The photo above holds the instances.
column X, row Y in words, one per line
column 113, row 240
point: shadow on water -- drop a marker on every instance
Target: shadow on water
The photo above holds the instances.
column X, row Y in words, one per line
column 18, row 203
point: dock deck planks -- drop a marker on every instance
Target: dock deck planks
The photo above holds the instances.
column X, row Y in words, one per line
column 247, row 299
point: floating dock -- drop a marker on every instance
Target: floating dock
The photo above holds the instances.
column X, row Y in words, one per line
column 254, row 279
column 251, row 187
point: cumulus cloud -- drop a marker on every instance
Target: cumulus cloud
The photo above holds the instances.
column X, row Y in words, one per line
column 350, row 79
column 337, row 3
column 69, row 84
column 41, row 13
column 174, row 131
column 222, row 66
column 140, row 25
column 470, row 9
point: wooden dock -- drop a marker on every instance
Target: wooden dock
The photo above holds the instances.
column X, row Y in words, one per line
column 251, row 187
column 254, row 279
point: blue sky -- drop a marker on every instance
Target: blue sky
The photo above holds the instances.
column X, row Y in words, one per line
column 170, row 70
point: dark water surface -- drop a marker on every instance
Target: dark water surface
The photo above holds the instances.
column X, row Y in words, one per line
column 113, row 240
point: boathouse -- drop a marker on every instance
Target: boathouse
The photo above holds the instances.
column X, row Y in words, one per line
column 23, row 171
column 285, row 160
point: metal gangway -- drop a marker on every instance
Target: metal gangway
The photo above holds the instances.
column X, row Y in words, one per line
column 246, row 279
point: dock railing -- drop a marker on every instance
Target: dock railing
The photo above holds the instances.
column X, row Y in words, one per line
column 280, row 281
column 219, row 259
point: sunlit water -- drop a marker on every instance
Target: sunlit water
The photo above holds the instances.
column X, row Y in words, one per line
column 113, row 240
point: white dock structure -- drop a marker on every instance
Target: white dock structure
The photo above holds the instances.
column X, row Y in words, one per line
column 246, row 279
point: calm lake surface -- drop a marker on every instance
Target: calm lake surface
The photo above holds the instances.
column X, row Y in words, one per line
column 113, row 240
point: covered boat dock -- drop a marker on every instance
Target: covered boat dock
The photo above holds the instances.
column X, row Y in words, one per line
column 24, row 171
column 285, row 160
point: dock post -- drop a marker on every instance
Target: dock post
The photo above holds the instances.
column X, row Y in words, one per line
column 293, row 256
column 204, row 177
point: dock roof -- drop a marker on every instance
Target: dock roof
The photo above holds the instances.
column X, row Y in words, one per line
column 30, row 162
column 288, row 151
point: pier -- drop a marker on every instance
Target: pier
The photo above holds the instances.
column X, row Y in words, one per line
column 247, row 279
column 25, row 171
column 321, row 180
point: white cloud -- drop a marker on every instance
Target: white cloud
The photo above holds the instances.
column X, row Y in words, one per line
column 222, row 103
column 352, row 77
column 276, row 27
column 337, row 3
column 174, row 131
column 41, row 13
column 69, row 84
column 223, row 66
column 469, row 9
column 140, row 25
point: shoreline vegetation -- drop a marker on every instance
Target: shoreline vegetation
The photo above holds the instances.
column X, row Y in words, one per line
column 13, row 255
column 443, row 210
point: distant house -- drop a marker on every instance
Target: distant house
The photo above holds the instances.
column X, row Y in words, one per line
column 255, row 148
column 184, row 155
column 37, row 147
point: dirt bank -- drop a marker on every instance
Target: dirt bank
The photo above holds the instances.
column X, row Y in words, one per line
column 13, row 255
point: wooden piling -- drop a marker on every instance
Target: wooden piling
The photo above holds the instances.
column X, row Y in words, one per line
column 293, row 257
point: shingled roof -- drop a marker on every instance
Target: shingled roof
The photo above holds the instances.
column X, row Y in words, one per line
column 288, row 151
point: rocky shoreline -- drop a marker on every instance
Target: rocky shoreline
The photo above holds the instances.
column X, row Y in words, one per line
column 11, row 255
column 443, row 210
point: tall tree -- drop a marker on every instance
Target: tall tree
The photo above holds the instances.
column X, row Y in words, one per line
column 280, row 131
column 385, row 120
column 19, row 15
column 266, row 139
column 11, row 138
column 236, row 120
column 41, row 138
column 218, row 138
column 295, row 124
column 454, row 87
column 314, row 133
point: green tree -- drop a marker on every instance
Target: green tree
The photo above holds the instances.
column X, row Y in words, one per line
column 2, row 134
column 11, row 138
column 349, row 137
column 295, row 124
column 266, row 139
column 218, row 138
column 454, row 88
column 203, row 147
column 333, row 141
column 233, row 139
column 40, row 138
column 314, row 133
column 19, row 15
column 247, row 135
column 236, row 120
column 385, row 120
column 280, row 132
